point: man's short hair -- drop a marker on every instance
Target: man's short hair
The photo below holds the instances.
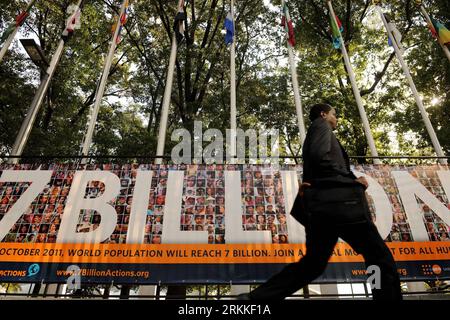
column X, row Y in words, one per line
column 317, row 109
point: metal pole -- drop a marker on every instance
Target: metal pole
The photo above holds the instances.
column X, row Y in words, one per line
column 297, row 99
column 10, row 38
column 358, row 98
column 101, row 88
column 233, row 112
column 166, row 99
column 426, row 120
column 27, row 124
column 427, row 18
column 8, row 43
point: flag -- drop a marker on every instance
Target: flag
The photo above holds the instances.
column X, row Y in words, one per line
column 395, row 34
column 19, row 21
column 397, row 37
column 120, row 22
column 178, row 25
column 229, row 27
column 432, row 30
column 286, row 22
column 440, row 32
column 124, row 17
column 336, row 30
column 72, row 22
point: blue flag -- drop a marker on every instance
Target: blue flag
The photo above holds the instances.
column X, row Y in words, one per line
column 229, row 26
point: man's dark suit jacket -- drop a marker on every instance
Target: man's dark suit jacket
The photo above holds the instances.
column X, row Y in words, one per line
column 325, row 164
column 323, row 156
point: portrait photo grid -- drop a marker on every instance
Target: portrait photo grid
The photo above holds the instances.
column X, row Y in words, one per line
column 401, row 231
column 203, row 201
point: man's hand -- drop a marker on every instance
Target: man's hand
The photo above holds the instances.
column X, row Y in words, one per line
column 302, row 188
column 363, row 181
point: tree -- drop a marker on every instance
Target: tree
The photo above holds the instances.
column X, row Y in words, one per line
column 131, row 108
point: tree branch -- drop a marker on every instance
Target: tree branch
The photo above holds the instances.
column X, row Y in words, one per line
column 378, row 76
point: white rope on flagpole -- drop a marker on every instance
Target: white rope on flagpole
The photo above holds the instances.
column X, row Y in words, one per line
column 233, row 111
column 27, row 124
column 166, row 98
column 426, row 120
column 11, row 37
column 297, row 99
column 101, row 88
column 362, row 111
column 427, row 17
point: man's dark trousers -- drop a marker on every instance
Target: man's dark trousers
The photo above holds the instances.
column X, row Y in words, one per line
column 320, row 242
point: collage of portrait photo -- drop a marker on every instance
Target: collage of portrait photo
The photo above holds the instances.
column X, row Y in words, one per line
column 203, row 201
column 426, row 175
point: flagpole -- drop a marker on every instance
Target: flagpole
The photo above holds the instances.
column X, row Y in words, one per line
column 101, row 88
column 8, row 43
column 356, row 93
column 297, row 99
column 27, row 124
column 426, row 120
column 427, row 18
column 233, row 112
column 166, row 98
column 11, row 37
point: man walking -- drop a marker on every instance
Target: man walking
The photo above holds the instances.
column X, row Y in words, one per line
column 331, row 204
